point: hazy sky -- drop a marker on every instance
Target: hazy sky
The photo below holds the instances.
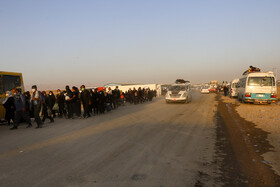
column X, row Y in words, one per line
column 59, row 42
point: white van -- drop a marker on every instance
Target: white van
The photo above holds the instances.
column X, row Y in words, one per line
column 257, row 87
column 179, row 92
column 233, row 88
column 204, row 90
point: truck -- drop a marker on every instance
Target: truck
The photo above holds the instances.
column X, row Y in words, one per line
column 213, row 86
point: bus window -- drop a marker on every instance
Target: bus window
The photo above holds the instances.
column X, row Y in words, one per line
column 10, row 82
column 261, row 81
column 177, row 88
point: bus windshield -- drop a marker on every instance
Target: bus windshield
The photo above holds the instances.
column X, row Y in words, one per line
column 261, row 81
column 10, row 82
column 177, row 88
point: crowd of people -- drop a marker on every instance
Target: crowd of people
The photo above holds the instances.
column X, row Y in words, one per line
column 69, row 103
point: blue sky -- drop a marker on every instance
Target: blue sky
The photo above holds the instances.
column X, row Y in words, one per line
column 59, row 42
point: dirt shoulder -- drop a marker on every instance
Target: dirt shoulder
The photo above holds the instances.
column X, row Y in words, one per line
column 267, row 118
column 247, row 146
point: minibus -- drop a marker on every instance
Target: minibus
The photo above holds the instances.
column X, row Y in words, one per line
column 257, row 87
column 233, row 92
column 179, row 92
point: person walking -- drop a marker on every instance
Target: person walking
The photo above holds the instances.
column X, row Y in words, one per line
column 35, row 105
column 117, row 97
column 130, row 96
column 135, row 96
column 101, row 102
column 20, row 110
column 95, row 101
column 9, row 105
column 86, row 101
column 47, row 107
column 69, row 102
column 52, row 101
column 60, row 99
column 150, row 94
column 76, row 101
column 225, row 90
column 111, row 98
column 122, row 98
column 30, row 112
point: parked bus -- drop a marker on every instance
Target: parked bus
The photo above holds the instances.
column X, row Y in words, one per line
column 8, row 81
column 257, row 87
column 233, row 88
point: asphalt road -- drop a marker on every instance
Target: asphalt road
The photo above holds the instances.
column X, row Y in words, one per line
column 152, row 144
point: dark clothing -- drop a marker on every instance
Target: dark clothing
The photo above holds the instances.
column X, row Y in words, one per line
column 150, row 95
column 76, row 103
column 69, row 103
column 94, row 102
column 10, row 110
column 85, row 98
column 117, row 96
column 111, row 99
column 140, row 96
column 48, row 101
column 27, row 105
column 21, row 115
column 36, row 110
column 225, row 91
column 47, row 106
column 19, row 101
column 135, row 97
column 20, row 110
column 101, row 102
column 35, row 106
column 52, row 101
column 130, row 96
column 60, row 99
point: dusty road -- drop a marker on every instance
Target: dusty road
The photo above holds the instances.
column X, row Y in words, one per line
column 155, row 144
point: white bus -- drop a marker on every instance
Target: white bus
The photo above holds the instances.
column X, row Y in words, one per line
column 257, row 87
column 179, row 92
column 233, row 88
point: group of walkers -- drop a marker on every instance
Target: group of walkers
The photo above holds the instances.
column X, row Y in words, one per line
column 140, row 95
column 225, row 88
column 68, row 103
